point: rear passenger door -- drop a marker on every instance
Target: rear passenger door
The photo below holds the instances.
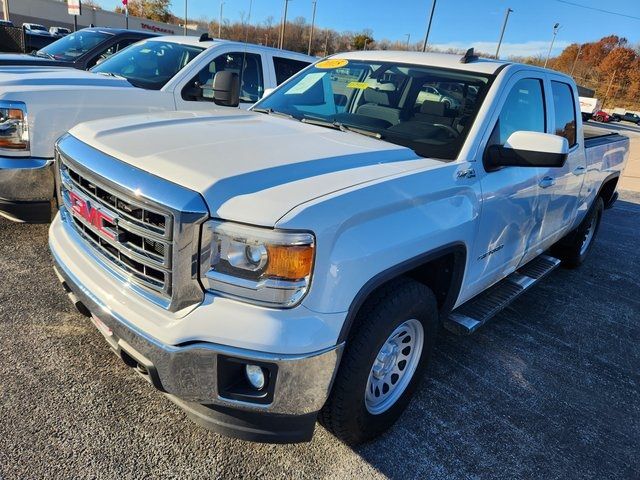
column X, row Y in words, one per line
column 562, row 185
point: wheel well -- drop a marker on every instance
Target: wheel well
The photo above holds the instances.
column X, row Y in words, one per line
column 441, row 271
column 608, row 189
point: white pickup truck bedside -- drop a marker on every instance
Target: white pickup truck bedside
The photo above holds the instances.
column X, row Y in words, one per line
column 293, row 262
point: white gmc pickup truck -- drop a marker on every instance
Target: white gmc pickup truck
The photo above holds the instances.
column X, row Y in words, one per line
column 39, row 104
column 267, row 268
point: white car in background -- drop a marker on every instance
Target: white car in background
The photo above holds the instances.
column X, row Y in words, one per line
column 434, row 94
column 37, row 105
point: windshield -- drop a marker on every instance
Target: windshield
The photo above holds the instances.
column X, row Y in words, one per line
column 69, row 48
column 429, row 110
column 149, row 64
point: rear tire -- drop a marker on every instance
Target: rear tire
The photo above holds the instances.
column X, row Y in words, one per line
column 385, row 357
column 575, row 247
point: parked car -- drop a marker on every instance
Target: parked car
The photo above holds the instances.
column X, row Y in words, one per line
column 59, row 31
column 6, row 23
column 158, row 74
column 267, row 268
column 36, row 36
column 82, row 49
column 601, row 116
column 431, row 93
column 626, row 117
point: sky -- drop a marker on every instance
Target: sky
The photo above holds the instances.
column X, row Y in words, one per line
column 456, row 23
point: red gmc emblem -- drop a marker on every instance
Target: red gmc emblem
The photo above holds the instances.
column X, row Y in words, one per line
column 100, row 220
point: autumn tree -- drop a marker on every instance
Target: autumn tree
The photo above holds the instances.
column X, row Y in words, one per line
column 157, row 10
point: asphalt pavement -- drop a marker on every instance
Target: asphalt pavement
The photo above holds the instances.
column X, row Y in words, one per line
column 548, row 389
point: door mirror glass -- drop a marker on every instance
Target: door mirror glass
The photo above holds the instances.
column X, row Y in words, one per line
column 528, row 149
column 226, row 89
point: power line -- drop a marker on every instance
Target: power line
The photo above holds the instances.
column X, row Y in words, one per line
column 598, row 9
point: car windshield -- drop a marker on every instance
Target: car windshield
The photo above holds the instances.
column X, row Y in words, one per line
column 427, row 109
column 69, row 48
column 151, row 64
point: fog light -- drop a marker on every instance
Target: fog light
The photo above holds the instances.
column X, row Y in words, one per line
column 255, row 375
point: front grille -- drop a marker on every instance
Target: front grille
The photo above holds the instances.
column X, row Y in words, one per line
column 137, row 243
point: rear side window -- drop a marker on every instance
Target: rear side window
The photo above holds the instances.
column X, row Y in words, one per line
column 286, row 67
column 565, row 111
column 523, row 110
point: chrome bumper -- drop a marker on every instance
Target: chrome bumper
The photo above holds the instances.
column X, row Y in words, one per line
column 26, row 188
column 302, row 383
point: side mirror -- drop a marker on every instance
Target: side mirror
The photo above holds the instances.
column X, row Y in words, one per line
column 528, row 149
column 226, row 89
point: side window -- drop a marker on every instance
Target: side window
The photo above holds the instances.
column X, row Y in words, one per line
column 248, row 66
column 565, row 111
column 115, row 48
column 286, row 67
column 522, row 110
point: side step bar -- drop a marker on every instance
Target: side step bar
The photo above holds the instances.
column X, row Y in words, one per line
column 468, row 317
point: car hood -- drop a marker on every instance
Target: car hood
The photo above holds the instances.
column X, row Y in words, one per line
column 249, row 167
column 33, row 77
column 24, row 59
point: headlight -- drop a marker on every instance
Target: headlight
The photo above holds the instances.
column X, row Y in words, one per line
column 14, row 129
column 262, row 266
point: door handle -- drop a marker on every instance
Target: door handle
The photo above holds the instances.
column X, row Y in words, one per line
column 547, row 182
column 579, row 170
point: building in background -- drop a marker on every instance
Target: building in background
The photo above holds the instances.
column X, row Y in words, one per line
column 53, row 13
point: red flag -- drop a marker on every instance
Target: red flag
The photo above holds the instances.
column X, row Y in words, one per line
column 124, row 2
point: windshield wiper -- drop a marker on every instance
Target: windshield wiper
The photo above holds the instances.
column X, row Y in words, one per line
column 41, row 54
column 271, row 111
column 111, row 74
column 321, row 122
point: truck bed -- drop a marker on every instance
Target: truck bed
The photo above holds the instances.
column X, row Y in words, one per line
column 604, row 150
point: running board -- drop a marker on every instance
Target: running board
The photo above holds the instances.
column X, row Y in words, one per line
column 468, row 317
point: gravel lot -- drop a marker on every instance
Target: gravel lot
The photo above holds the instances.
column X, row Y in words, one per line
column 549, row 389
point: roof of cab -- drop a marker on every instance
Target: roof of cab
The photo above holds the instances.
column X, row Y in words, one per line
column 442, row 60
column 196, row 42
column 120, row 31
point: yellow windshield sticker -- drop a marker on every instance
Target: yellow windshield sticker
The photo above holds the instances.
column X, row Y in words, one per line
column 358, row 85
column 332, row 63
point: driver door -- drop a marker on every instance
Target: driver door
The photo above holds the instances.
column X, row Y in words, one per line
column 197, row 94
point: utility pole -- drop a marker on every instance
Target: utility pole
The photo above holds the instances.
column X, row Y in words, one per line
column 408, row 35
column 575, row 62
column 426, row 38
column 126, row 13
column 313, row 21
column 185, row 16
column 284, row 24
column 220, row 20
column 326, row 44
column 5, row 9
column 504, row 27
column 606, row 95
column 366, row 40
column 556, row 27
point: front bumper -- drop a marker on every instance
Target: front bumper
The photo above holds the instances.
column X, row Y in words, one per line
column 26, row 189
column 188, row 374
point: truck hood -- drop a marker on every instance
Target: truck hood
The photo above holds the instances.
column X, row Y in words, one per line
column 24, row 59
column 249, row 167
column 31, row 77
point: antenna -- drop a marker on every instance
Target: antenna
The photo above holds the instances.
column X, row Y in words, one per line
column 205, row 37
column 469, row 56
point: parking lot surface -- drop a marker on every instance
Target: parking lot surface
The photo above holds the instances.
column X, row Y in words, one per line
column 548, row 389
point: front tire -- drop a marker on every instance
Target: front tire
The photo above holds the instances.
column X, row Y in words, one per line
column 384, row 359
column 575, row 247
